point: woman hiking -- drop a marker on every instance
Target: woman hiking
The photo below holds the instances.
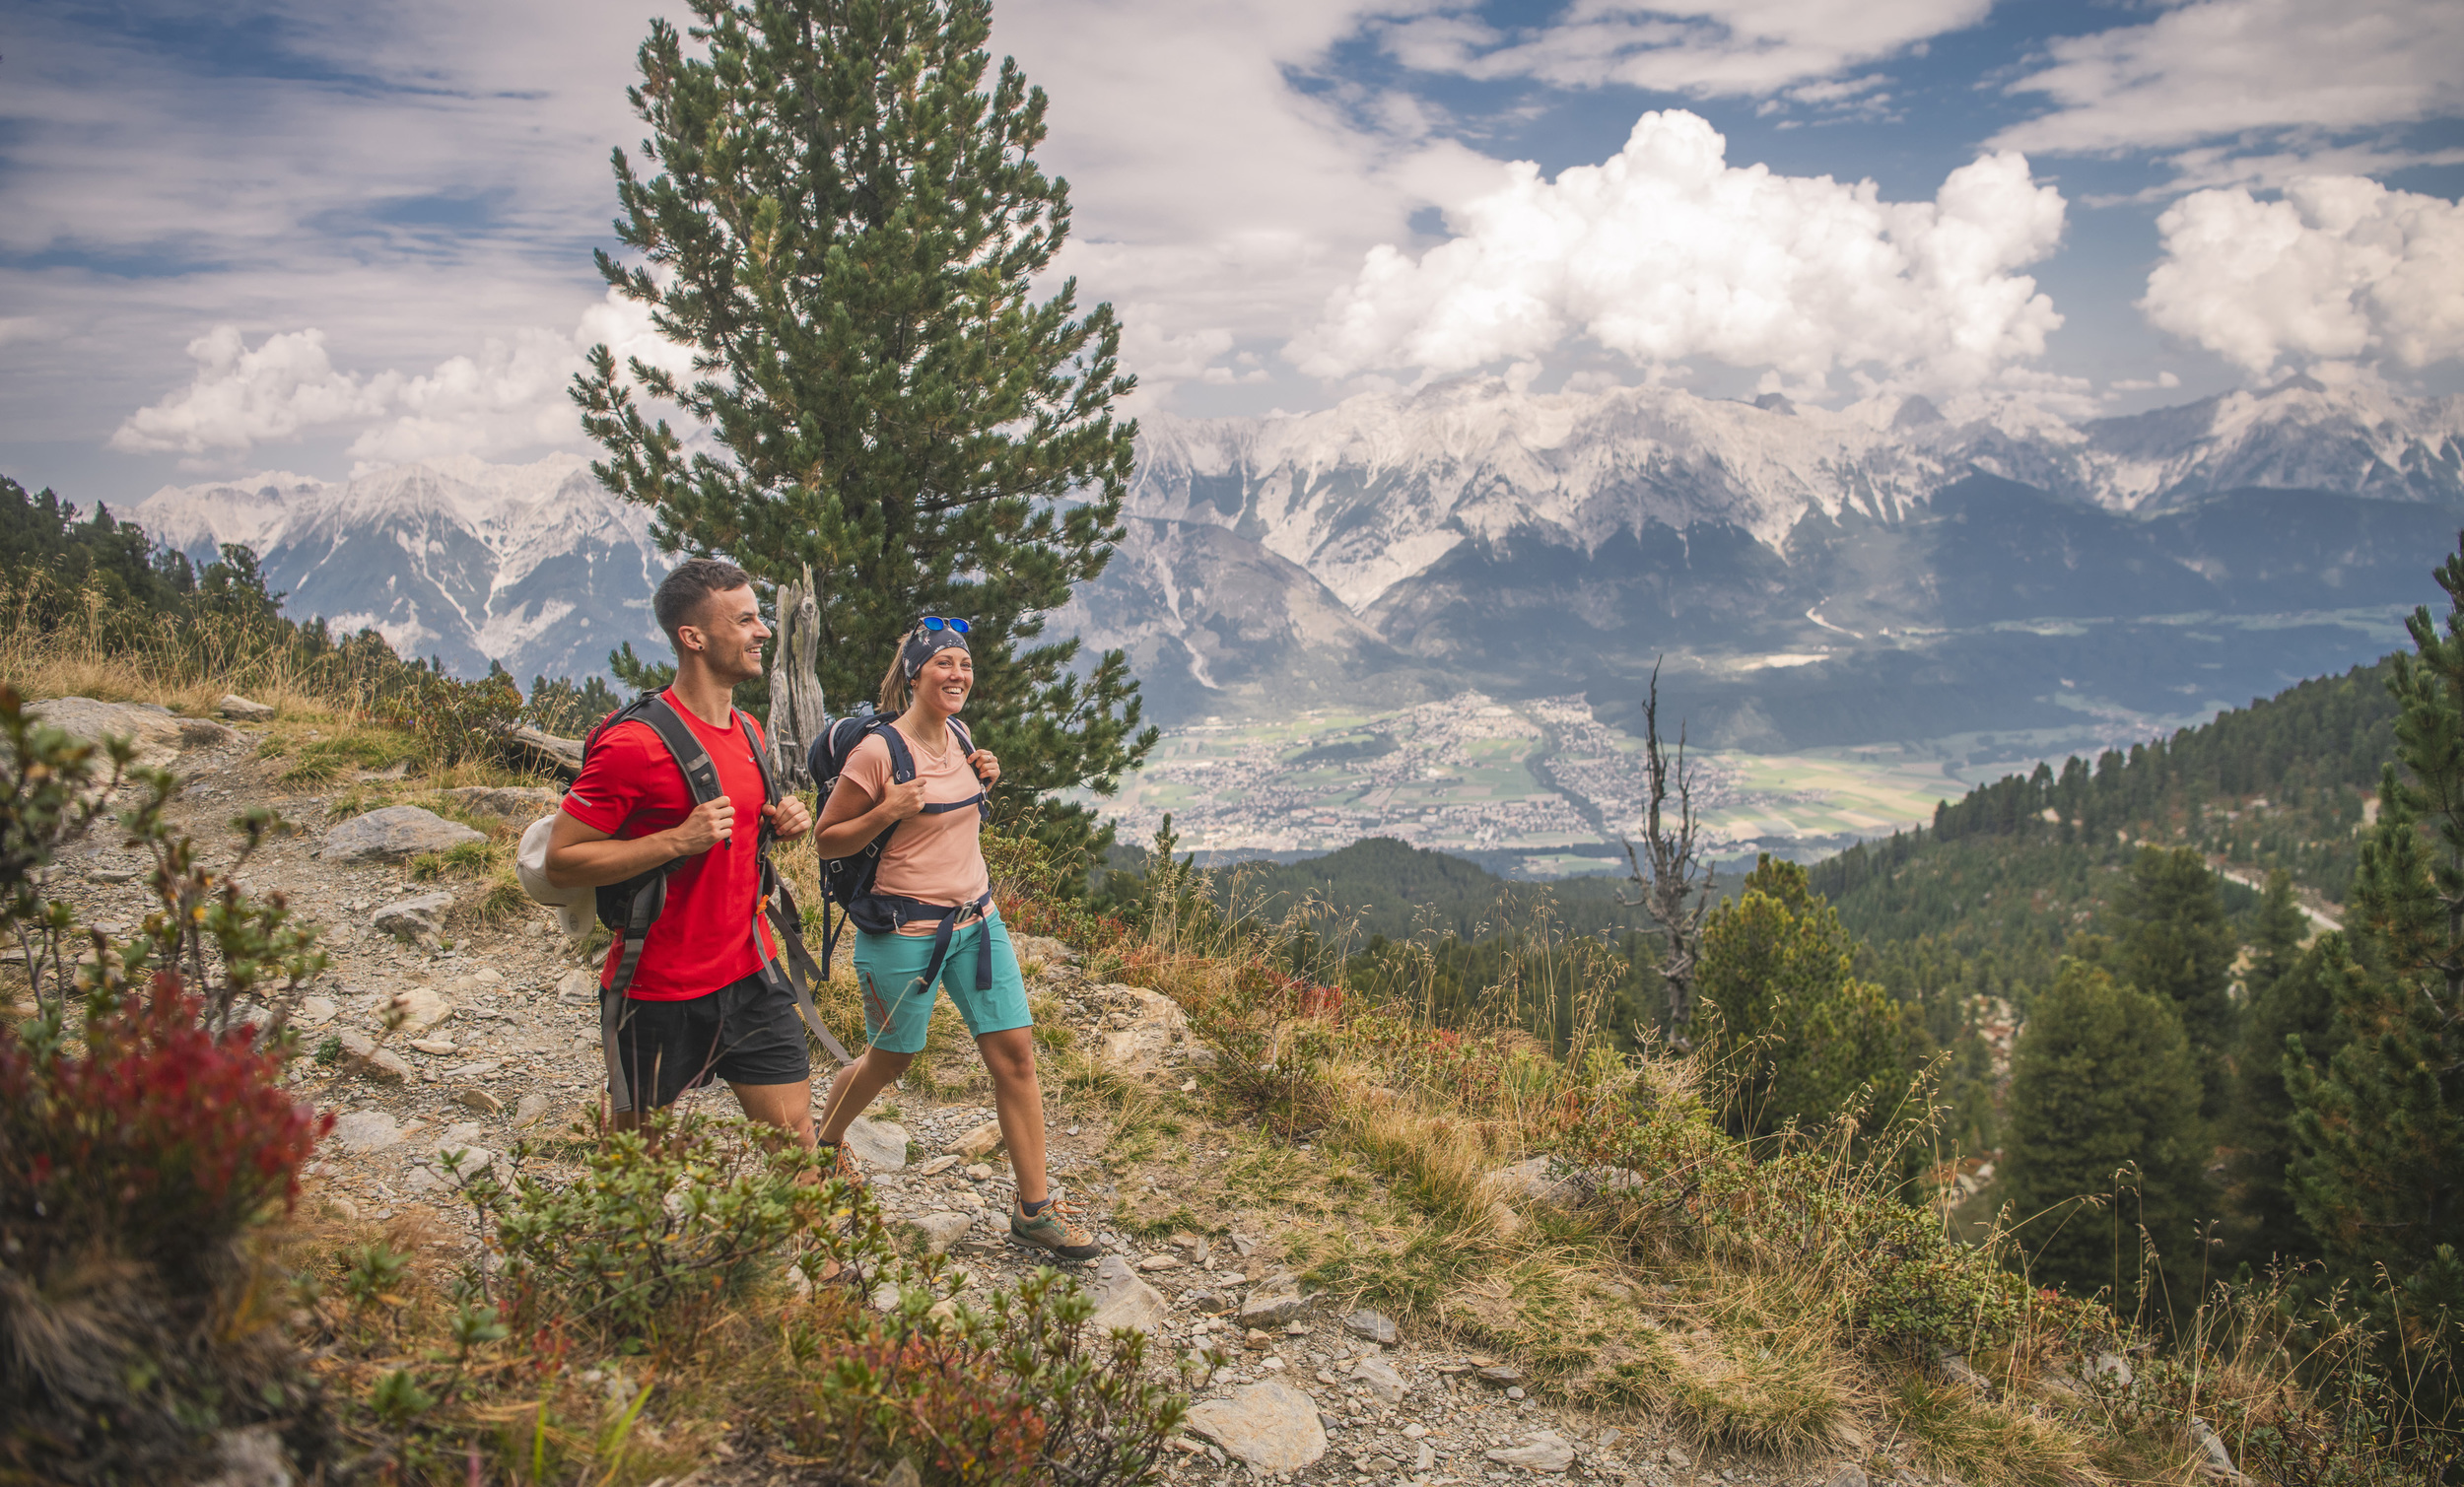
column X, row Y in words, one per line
column 932, row 883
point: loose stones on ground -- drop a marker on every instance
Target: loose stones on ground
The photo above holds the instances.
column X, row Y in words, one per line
column 1276, row 1301
column 420, row 919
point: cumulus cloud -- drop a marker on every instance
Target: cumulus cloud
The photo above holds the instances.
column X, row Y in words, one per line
column 2219, row 68
column 510, row 395
column 1701, row 48
column 1668, row 253
column 2341, row 268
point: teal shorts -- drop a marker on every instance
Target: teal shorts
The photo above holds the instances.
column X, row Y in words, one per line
column 889, row 971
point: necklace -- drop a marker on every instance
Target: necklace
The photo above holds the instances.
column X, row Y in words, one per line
column 935, row 755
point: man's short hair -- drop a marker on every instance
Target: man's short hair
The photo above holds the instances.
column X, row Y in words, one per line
column 682, row 593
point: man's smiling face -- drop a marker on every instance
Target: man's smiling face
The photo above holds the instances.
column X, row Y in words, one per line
column 729, row 635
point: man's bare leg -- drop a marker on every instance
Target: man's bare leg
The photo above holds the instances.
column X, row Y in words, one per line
column 855, row 1088
column 1019, row 1101
column 788, row 1106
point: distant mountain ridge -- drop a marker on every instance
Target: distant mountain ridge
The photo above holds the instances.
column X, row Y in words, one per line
column 535, row 566
column 1397, row 546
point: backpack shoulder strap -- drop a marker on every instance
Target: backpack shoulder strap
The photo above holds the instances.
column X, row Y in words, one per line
column 966, row 740
column 701, row 774
column 902, row 762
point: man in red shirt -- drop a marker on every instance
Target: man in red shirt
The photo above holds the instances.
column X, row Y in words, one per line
column 699, row 1004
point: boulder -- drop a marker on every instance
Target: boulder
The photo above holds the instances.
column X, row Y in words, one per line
column 1531, row 1182
column 240, row 709
column 1382, row 1381
column 1274, row 1302
column 1144, row 1031
column 1121, row 1299
column 982, row 1141
column 421, row 1009
column 420, row 919
column 367, row 1130
column 942, row 1230
column 877, row 1145
column 1541, row 1451
column 1377, row 1327
column 1271, row 1425
column 362, row 1056
column 510, row 802
column 394, row 834
column 1042, row 950
column 160, row 737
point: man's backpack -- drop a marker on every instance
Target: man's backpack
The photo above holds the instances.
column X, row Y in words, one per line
column 848, row 880
column 631, row 907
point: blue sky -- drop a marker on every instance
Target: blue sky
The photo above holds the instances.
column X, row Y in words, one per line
column 316, row 238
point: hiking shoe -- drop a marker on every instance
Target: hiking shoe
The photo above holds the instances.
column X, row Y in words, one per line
column 837, row 1162
column 1052, row 1230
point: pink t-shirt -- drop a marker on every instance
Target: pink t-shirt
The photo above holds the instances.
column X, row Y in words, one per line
column 938, row 858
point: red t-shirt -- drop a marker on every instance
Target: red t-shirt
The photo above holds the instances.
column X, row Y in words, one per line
column 630, row 787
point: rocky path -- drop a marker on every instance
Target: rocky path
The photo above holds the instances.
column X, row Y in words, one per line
column 501, row 1043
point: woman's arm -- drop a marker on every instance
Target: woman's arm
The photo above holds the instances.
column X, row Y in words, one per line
column 850, row 817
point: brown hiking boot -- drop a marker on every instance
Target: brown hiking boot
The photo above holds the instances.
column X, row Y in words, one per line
column 1053, row 1229
column 837, row 1162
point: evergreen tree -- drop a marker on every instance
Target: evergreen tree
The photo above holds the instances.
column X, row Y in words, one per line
column 2104, row 1103
column 1786, row 1015
column 2285, row 999
column 2177, row 943
column 2380, row 1123
column 844, row 229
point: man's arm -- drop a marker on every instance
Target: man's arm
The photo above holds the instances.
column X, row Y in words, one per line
column 583, row 856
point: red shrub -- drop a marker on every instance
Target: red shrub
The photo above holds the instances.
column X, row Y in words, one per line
column 169, row 1136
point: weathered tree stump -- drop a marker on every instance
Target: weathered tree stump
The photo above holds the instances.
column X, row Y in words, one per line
column 795, row 704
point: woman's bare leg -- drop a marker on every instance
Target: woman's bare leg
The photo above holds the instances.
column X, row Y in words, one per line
column 855, row 1088
column 1019, row 1101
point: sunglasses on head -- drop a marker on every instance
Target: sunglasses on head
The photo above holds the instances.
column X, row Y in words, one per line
column 933, row 623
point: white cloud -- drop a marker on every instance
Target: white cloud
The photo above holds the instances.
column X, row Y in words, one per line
column 510, row 395
column 2219, row 68
column 1668, row 253
column 2339, row 269
column 240, row 397
column 1705, row 49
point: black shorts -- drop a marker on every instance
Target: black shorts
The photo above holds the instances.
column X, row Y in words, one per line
column 745, row 1033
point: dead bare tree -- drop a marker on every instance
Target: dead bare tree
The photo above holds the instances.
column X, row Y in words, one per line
column 795, row 702
column 1663, row 873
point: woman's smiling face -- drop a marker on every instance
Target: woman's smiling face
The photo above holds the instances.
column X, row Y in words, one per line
column 947, row 679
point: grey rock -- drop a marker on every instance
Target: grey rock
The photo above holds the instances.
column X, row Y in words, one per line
column 478, row 1099
column 361, row 1056
column 1955, row 1369
column 1428, row 1458
column 473, row 1159
column 512, row 803
column 160, row 737
column 1209, row 1302
column 1542, row 1451
column 942, row 1230
column 420, row 1007
column 394, row 834
column 579, row 986
column 530, row 1109
column 1533, row 1182
column 904, row 1475
column 314, row 1011
column 982, row 1141
column 2112, row 1365
column 1501, row 1375
column 1274, row 1301
column 367, row 1130
column 1377, row 1327
column 1122, row 1300
column 1846, row 1474
column 2216, row 1460
column 240, row 709
column 250, row 1458
column 1271, row 1425
column 877, row 1145
column 420, row 919
column 1382, row 1381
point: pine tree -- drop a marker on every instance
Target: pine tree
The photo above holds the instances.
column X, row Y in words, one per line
column 2380, row 1173
column 2286, row 998
column 846, row 228
column 1789, row 1020
column 2177, row 943
column 2104, row 1103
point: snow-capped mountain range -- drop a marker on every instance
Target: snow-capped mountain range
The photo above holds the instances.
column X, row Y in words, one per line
column 1396, row 536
